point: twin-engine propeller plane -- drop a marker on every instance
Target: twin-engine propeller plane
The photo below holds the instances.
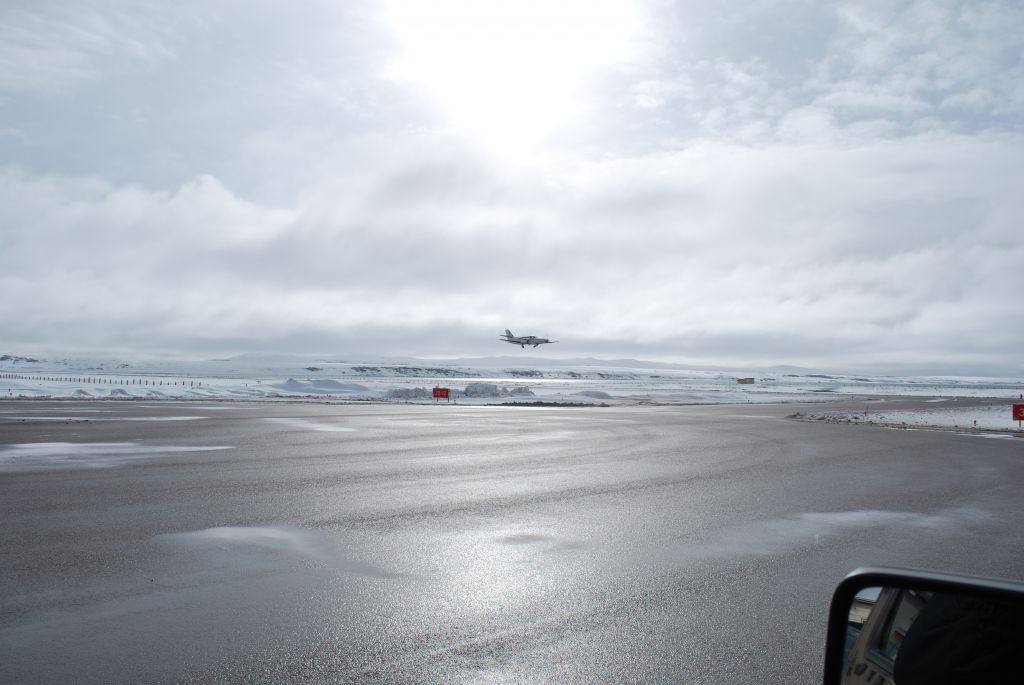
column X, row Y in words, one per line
column 524, row 340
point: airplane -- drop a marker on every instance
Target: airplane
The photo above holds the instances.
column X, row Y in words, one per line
column 524, row 340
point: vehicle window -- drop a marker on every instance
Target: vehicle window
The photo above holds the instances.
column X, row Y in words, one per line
column 908, row 607
column 863, row 603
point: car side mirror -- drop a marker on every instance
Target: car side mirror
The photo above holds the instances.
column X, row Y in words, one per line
column 908, row 627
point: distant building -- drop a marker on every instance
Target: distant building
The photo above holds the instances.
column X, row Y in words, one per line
column 745, row 381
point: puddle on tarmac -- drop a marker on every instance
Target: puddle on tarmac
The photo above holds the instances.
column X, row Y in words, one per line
column 524, row 539
column 105, row 418
column 312, row 425
column 287, row 541
column 37, row 456
column 778, row 535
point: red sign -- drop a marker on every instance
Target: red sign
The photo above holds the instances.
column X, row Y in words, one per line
column 442, row 393
column 1018, row 412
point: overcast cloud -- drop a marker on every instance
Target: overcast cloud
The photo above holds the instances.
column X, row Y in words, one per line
column 785, row 182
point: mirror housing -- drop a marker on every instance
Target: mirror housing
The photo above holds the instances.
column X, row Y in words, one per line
column 959, row 598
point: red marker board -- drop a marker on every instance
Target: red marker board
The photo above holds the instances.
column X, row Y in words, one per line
column 442, row 393
column 1018, row 412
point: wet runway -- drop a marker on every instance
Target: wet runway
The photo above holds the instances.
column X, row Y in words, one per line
column 289, row 542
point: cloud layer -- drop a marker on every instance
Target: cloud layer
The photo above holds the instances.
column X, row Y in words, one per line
column 820, row 186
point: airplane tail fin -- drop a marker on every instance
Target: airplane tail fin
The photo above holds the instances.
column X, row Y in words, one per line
column 509, row 333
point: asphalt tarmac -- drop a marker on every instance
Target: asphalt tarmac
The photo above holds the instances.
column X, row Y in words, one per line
column 293, row 542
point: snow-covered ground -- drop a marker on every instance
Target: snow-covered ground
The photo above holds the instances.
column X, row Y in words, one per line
column 479, row 381
column 982, row 417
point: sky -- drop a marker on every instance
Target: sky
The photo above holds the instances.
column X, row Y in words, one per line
column 828, row 185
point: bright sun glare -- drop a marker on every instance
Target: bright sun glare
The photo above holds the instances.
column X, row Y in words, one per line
column 508, row 73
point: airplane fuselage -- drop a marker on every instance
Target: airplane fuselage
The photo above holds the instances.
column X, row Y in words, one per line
column 524, row 340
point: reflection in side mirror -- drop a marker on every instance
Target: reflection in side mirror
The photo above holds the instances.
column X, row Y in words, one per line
column 908, row 627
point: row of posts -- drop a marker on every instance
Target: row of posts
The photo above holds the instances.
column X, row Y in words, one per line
column 98, row 381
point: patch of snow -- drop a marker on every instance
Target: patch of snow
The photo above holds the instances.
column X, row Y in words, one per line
column 493, row 390
column 319, row 387
column 409, row 394
column 994, row 416
column 594, row 394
